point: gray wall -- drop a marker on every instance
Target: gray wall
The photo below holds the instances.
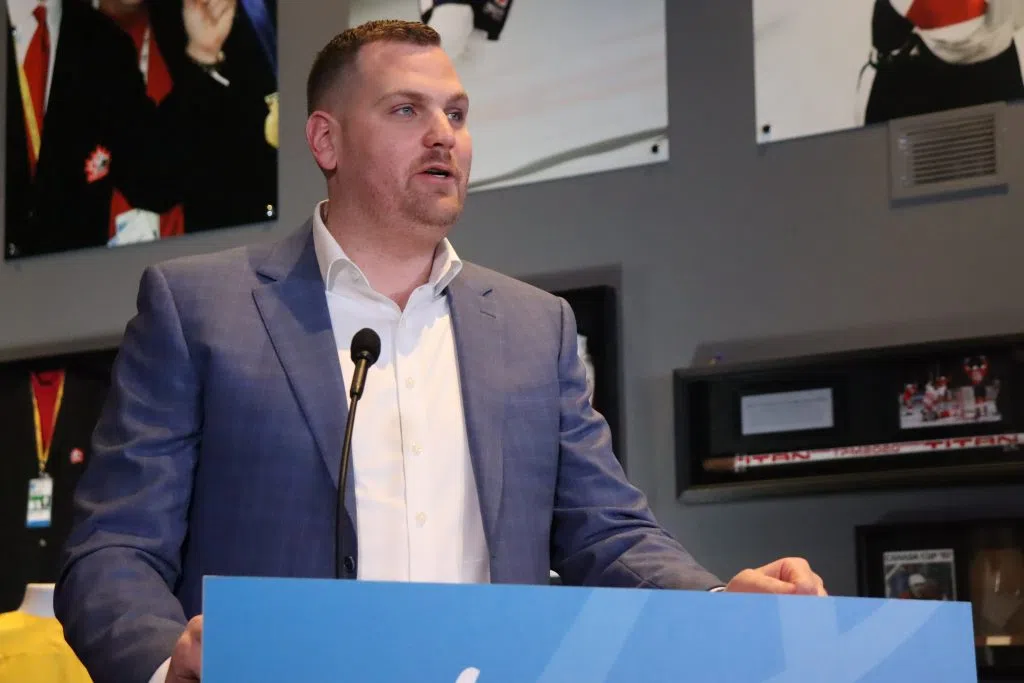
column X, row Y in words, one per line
column 795, row 244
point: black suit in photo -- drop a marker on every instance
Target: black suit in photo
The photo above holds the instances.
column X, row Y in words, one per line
column 235, row 181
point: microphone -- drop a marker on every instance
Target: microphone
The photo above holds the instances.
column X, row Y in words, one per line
column 365, row 350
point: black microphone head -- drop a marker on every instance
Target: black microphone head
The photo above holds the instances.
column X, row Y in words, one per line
column 365, row 346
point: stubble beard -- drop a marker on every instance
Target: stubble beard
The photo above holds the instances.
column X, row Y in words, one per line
column 434, row 211
column 433, row 214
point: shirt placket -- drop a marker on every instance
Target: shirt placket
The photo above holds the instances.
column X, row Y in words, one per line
column 413, row 416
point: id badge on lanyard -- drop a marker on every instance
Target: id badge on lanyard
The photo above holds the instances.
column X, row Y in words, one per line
column 40, row 502
column 40, row 489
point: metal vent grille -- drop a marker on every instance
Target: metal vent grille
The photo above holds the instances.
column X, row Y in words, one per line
column 947, row 152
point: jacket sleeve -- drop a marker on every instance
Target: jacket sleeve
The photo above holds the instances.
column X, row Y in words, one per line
column 603, row 532
column 114, row 595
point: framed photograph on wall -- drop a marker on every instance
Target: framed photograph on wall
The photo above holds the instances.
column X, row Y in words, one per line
column 940, row 413
column 49, row 407
column 823, row 67
column 142, row 121
column 980, row 561
column 556, row 89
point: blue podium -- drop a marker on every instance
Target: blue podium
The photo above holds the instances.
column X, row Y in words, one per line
column 311, row 630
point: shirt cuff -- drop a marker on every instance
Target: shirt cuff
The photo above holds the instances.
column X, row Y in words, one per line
column 161, row 674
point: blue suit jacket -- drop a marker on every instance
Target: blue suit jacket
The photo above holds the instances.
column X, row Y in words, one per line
column 219, row 448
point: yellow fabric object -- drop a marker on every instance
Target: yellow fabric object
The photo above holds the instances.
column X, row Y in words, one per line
column 33, row 650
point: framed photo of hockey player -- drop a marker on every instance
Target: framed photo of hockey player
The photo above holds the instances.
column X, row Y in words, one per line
column 954, row 391
column 822, row 67
column 556, row 89
column 132, row 121
column 974, row 560
column 938, row 413
column 928, row 574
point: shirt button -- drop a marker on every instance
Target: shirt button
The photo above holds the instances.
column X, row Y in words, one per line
column 416, row 450
column 410, row 382
column 421, row 519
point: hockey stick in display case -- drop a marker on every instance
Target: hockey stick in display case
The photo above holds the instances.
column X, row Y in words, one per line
column 939, row 413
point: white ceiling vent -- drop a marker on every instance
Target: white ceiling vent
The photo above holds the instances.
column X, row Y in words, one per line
column 950, row 151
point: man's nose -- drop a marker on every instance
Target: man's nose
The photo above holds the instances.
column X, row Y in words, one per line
column 441, row 133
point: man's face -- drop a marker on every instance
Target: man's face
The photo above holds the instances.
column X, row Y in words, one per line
column 405, row 148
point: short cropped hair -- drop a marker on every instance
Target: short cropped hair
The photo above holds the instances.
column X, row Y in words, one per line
column 341, row 52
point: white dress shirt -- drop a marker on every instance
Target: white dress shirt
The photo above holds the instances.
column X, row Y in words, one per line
column 417, row 510
column 24, row 24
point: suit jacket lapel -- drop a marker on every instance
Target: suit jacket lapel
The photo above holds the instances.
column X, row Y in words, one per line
column 293, row 307
column 64, row 82
column 476, row 322
column 17, row 138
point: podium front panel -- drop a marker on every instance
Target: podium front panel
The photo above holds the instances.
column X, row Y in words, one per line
column 261, row 629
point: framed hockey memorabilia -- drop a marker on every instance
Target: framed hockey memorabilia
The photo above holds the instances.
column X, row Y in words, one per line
column 980, row 561
column 927, row 414
column 48, row 410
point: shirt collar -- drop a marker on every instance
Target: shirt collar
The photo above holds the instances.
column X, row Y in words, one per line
column 333, row 261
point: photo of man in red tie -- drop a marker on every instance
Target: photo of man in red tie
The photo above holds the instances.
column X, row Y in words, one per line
column 91, row 137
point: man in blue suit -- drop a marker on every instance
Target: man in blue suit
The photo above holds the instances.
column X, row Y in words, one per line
column 476, row 456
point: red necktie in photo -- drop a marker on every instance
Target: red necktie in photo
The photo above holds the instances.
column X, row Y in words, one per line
column 34, row 75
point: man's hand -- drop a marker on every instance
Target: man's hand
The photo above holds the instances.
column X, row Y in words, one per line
column 207, row 24
column 187, row 658
column 789, row 575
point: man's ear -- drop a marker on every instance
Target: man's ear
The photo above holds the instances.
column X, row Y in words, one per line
column 323, row 140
